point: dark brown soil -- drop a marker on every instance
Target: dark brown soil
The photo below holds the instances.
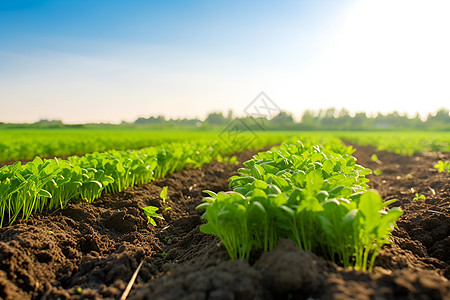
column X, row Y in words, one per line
column 90, row 251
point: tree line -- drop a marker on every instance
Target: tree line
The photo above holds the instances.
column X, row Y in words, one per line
column 324, row 119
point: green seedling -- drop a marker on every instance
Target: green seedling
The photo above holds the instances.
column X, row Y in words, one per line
column 166, row 238
column 164, row 254
column 418, row 197
column 150, row 212
column 374, row 158
column 46, row 185
column 163, row 194
column 314, row 194
column 232, row 160
column 442, row 166
column 377, row 172
column 166, row 209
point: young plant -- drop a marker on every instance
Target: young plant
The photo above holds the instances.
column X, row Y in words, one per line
column 51, row 184
column 227, row 213
column 315, row 195
column 442, row 166
column 374, row 158
column 163, row 194
column 377, row 172
column 150, row 212
column 418, row 197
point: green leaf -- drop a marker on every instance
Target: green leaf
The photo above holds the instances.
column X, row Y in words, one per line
column 210, row 193
column 288, row 210
column 389, row 202
column 281, row 183
column 259, row 184
column 259, row 206
column 258, row 171
column 207, row 228
column 204, row 205
column 45, row 193
column 163, row 194
column 150, row 212
column 322, row 195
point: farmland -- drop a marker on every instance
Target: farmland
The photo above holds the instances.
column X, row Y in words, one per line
column 28, row 143
column 269, row 223
column 25, row 144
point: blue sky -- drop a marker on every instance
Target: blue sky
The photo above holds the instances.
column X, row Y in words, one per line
column 96, row 60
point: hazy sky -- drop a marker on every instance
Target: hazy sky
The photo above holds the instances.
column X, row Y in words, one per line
column 105, row 60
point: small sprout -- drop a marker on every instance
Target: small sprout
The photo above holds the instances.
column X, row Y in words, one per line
column 408, row 176
column 150, row 212
column 167, row 209
column 163, row 194
column 164, row 254
column 442, row 166
column 79, row 290
column 419, row 197
column 374, row 158
column 377, row 172
column 166, row 238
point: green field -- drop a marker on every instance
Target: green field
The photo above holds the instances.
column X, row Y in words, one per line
column 47, row 184
column 309, row 189
column 28, row 143
column 25, row 144
column 111, row 160
column 401, row 142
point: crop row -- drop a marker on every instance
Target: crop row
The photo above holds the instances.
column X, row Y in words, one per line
column 314, row 194
column 49, row 184
column 28, row 143
column 401, row 142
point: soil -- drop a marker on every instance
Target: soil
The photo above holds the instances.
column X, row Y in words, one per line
column 90, row 251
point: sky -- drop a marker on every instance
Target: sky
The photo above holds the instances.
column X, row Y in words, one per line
column 110, row 61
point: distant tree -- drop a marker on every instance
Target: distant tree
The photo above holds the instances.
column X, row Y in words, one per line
column 440, row 120
column 343, row 118
column 442, row 116
column 308, row 118
column 282, row 119
column 46, row 121
column 230, row 115
column 188, row 122
column 329, row 117
column 150, row 120
column 359, row 121
column 216, row 118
